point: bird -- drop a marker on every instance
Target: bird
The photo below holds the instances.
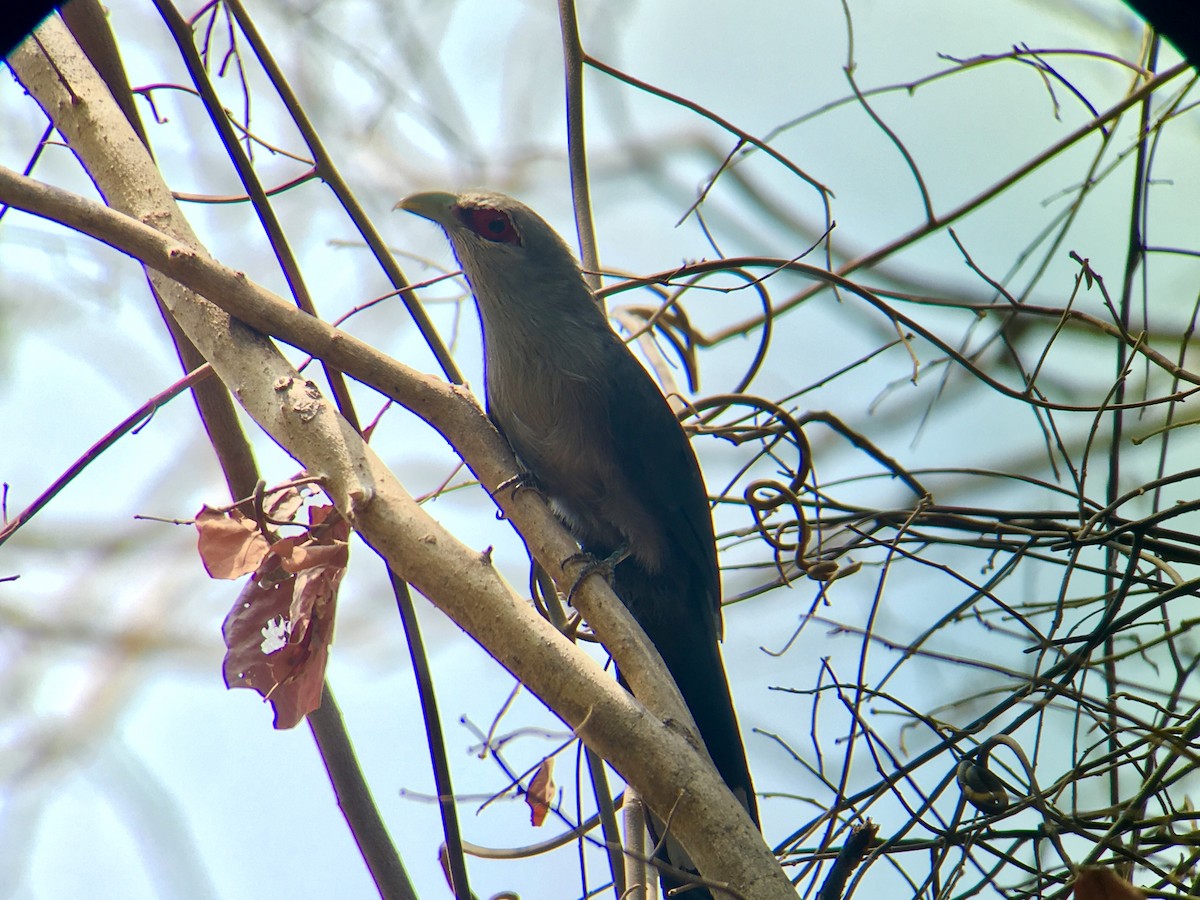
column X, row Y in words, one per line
column 600, row 441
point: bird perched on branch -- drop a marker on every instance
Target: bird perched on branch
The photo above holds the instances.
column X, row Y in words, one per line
column 601, row 442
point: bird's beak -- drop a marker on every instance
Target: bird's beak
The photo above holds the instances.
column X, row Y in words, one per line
column 437, row 206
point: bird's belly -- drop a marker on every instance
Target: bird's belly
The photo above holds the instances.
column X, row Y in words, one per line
column 587, row 490
column 560, row 433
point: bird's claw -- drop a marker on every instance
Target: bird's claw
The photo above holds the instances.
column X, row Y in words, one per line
column 592, row 566
column 522, row 481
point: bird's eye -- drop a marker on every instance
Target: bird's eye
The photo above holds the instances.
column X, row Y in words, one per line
column 491, row 224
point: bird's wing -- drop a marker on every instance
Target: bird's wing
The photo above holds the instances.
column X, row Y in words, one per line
column 659, row 463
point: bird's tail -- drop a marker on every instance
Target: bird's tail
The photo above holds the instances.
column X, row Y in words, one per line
column 688, row 645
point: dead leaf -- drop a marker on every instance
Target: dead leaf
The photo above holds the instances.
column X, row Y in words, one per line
column 1094, row 883
column 279, row 631
column 282, row 505
column 230, row 545
column 541, row 793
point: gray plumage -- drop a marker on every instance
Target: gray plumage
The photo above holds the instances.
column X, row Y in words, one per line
column 592, row 428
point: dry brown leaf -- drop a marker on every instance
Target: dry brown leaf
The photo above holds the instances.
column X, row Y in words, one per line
column 230, row 544
column 279, row 631
column 541, row 793
column 1094, row 883
column 282, row 505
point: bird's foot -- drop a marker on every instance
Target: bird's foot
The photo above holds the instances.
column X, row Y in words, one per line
column 522, row 481
column 593, row 566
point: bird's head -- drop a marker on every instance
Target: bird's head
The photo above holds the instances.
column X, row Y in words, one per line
column 507, row 251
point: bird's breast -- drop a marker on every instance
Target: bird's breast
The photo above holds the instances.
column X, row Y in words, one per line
column 557, row 425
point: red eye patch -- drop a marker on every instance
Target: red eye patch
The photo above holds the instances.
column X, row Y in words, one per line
column 491, row 224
